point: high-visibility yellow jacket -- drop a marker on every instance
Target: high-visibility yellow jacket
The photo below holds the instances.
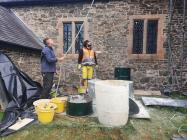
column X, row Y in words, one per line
column 87, row 57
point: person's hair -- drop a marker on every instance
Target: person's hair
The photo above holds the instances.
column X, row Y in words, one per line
column 45, row 40
column 85, row 43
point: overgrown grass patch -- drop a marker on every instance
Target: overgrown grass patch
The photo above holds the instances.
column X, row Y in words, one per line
column 164, row 123
column 1, row 116
column 178, row 95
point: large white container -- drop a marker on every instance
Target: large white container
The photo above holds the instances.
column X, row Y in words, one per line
column 112, row 102
column 91, row 87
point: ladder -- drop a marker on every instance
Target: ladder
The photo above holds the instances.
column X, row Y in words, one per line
column 183, row 54
column 173, row 83
column 177, row 82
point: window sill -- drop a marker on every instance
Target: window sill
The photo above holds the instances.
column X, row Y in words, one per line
column 147, row 56
column 72, row 56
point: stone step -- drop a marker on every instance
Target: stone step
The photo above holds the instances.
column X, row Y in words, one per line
column 184, row 70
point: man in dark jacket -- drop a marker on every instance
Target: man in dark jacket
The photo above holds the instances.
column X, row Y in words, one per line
column 48, row 66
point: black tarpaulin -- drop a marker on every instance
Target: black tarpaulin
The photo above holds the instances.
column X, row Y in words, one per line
column 17, row 89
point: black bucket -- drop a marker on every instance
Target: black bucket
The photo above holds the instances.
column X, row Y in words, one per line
column 79, row 107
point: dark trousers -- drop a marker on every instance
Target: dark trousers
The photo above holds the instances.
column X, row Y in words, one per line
column 47, row 84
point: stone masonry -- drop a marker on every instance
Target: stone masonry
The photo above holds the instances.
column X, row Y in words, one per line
column 26, row 60
column 108, row 29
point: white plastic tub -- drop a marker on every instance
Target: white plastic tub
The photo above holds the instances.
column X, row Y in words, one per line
column 91, row 87
column 112, row 102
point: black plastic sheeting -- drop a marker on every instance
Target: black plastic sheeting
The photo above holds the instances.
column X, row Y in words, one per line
column 10, row 117
column 28, row 113
column 17, row 89
column 133, row 107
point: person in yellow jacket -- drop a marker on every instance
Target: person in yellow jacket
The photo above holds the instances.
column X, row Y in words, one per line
column 87, row 60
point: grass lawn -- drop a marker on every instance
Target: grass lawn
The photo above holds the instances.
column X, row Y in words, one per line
column 1, row 116
column 160, row 127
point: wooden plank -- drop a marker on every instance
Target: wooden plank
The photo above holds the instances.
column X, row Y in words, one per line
column 164, row 102
column 21, row 123
column 147, row 93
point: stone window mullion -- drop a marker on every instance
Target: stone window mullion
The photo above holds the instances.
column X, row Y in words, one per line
column 73, row 37
column 145, row 36
column 148, row 40
column 85, row 25
column 74, row 25
column 61, row 36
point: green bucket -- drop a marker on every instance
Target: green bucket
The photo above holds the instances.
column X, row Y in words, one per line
column 76, row 107
column 79, row 109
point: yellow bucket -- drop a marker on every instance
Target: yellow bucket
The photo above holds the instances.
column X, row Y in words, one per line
column 45, row 112
column 39, row 102
column 81, row 89
column 64, row 99
column 60, row 104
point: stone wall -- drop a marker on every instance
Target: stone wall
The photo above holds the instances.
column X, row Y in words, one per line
column 26, row 60
column 177, row 28
column 108, row 30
